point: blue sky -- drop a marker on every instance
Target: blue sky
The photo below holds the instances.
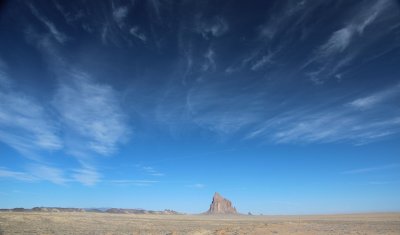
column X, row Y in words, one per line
column 284, row 107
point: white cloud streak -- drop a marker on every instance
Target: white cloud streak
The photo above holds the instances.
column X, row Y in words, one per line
column 220, row 112
column 132, row 182
column 35, row 173
column 21, row 176
column 263, row 61
column 340, row 49
column 377, row 98
column 151, row 171
column 52, row 174
column 214, row 28
column 156, row 5
column 87, row 176
column 371, row 169
column 209, row 64
column 104, row 32
column 198, row 186
column 25, row 124
column 59, row 36
column 326, row 127
column 281, row 19
column 119, row 14
column 88, row 119
column 92, row 113
column 338, row 42
column 135, row 31
column 342, row 38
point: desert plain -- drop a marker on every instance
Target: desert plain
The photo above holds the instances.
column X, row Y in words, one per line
column 106, row 223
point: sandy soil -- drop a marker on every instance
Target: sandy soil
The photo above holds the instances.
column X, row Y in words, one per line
column 102, row 223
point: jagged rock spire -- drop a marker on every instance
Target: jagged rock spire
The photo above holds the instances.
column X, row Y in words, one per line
column 220, row 205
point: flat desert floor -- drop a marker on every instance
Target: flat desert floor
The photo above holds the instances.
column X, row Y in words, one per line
column 104, row 223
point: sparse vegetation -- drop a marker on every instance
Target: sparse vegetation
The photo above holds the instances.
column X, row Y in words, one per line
column 68, row 223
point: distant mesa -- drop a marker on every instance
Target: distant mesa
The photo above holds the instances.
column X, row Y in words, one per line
column 56, row 209
column 98, row 210
column 141, row 211
column 221, row 206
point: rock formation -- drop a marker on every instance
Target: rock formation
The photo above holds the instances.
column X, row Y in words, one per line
column 221, row 206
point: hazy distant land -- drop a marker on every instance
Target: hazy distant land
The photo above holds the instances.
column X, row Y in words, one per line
column 221, row 218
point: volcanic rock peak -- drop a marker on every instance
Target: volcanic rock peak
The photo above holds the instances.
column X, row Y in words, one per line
column 220, row 205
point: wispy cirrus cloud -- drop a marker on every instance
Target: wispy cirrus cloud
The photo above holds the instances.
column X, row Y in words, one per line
column 35, row 172
column 261, row 62
column 25, row 124
column 334, row 123
column 215, row 27
column 70, row 17
column 95, row 124
column 382, row 182
column 310, row 126
column 119, row 14
column 341, row 39
column 17, row 175
column 57, row 34
column 283, row 26
column 136, row 32
column 341, row 49
column 92, row 113
column 198, row 186
column 217, row 109
column 264, row 115
column 328, row 127
column 86, row 175
column 227, row 112
column 155, row 6
column 48, row 173
column 259, row 59
column 285, row 17
column 149, row 170
column 338, row 42
column 209, row 64
column 371, row 169
column 247, row 60
column 46, row 44
column 132, row 182
column 374, row 99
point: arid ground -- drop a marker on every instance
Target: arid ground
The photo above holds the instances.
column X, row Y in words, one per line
column 105, row 223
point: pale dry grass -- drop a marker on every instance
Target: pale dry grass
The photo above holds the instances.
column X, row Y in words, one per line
column 103, row 223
